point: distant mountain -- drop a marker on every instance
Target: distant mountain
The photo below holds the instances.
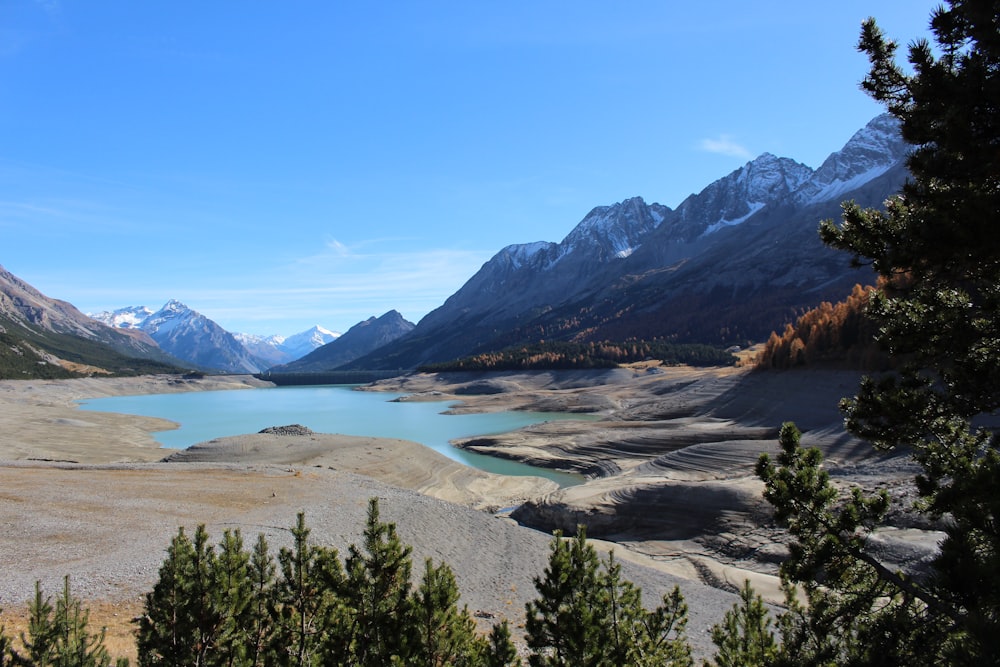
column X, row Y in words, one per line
column 358, row 341
column 131, row 317
column 265, row 348
column 729, row 265
column 45, row 337
column 274, row 350
column 188, row 335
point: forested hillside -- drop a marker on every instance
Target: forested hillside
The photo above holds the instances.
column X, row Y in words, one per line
column 27, row 353
column 839, row 334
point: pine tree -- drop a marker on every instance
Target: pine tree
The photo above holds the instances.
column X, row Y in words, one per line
column 377, row 592
column 564, row 623
column 232, row 596
column 664, row 633
column 60, row 637
column 260, row 614
column 937, row 250
column 445, row 634
column 40, row 640
column 623, row 604
column 202, row 603
column 304, row 597
column 500, row 650
column 75, row 645
column 588, row 615
column 197, row 609
column 165, row 632
column 744, row 638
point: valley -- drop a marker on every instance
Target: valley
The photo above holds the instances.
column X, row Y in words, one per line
column 668, row 451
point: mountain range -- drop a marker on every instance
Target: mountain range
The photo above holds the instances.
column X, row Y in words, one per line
column 275, row 350
column 729, row 265
column 188, row 335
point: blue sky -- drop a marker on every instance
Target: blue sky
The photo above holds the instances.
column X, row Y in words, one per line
column 278, row 165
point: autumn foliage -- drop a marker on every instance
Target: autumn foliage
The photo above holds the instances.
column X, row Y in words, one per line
column 839, row 334
column 563, row 355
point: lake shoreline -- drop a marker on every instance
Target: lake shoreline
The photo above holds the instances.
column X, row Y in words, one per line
column 89, row 498
column 329, row 409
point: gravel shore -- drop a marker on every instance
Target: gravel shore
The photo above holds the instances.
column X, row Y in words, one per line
column 83, row 496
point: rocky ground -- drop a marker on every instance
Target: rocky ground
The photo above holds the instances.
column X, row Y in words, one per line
column 669, row 458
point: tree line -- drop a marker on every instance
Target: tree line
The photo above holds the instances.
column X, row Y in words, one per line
column 835, row 334
column 565, row 355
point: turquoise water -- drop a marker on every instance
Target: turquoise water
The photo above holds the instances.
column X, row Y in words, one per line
column 205, row 415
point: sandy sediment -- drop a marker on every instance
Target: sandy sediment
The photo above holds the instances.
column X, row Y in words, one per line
column 671, row 461
column 399, row 463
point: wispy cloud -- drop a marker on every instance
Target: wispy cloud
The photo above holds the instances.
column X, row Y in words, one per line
column 724, row 144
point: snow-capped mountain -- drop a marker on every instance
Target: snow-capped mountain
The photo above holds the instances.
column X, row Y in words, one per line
column 125, row 318
column 359, row 340
column 265, row 348
column 871, row 152
column 300, row 344
column 729, row 264
column 614, row 231
column 733, row 199
column 276, row 349
column 187, row 335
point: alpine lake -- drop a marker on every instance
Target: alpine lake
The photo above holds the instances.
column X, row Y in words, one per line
column 205, row 415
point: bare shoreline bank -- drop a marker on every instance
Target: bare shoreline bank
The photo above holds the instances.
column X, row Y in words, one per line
column 86, row 496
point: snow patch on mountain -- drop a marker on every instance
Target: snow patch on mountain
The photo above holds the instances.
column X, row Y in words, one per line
column 622, row 254
column 736, row 197
column 519, row 254
column 754, row 207
column 299, row 345
column 257, row 339
column 835, row 189
column 123, row 318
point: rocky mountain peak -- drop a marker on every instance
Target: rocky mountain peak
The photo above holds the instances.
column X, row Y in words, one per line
column 769, row 178
column 732, row 199
column 872, row 151
column 187, row 335
column 174, row 306
column 706, row 271
column 516, row 255
column 615, row 230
